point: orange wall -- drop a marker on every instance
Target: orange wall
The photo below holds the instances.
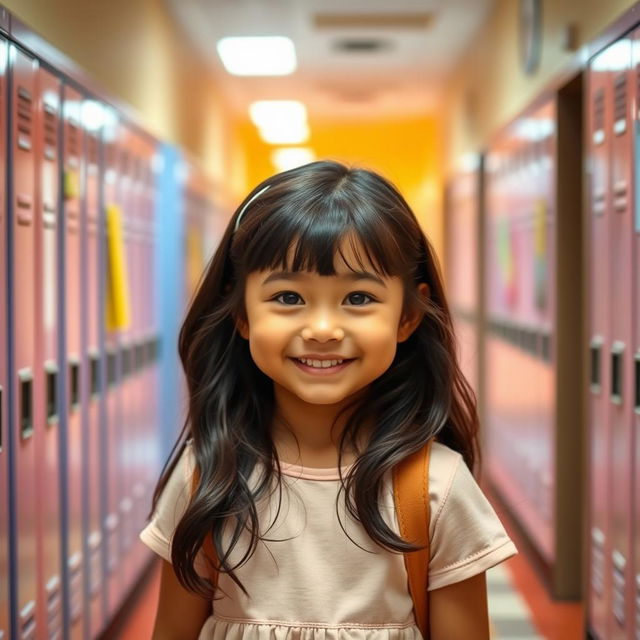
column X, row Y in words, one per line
column 405, row 151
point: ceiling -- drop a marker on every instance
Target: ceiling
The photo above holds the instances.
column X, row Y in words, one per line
column 356, row 58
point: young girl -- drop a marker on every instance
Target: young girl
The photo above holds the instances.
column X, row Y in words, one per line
column 318, row 353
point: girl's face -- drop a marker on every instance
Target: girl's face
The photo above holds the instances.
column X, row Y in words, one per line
column 354, row 318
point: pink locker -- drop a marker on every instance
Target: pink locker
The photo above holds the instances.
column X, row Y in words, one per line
column 599, row 129
column 113, row 426
column 126, row 446
column 612, row 588
column 620, row 347
column 5, row 631
column 635, row 120
column 92, row 363
column 23, row 71
column 72, row 268
column 48, row 358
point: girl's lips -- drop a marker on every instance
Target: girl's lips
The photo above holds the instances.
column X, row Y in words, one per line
column 322, row 371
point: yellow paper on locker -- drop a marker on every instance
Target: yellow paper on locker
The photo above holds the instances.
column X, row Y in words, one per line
column 117, row 302
column 71, row 184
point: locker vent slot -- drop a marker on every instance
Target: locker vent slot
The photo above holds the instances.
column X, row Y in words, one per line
column 597, row 561
column 111, row 369
column 598, row 116
column 73, row 139
column 54, row 608
column 94, row 373
column 616, row 373
column 637, row 394
column 620, row 104
column 52, row 394
column 75, row 581
column 92, row 144
column 595, row 350
column 28, row 622
column 50, row 132
column 74, row 384
column 25, row 118
column 26, row 403
column 619, row 565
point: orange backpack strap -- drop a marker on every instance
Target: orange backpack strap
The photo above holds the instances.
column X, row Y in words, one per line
column 207, row 546
column 411, row 496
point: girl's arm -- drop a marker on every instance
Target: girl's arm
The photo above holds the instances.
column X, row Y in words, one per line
column 181, row 613
column 459, row 611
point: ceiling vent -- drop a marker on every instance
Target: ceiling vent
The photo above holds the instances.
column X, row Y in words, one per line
column 360, row 45
column 372, row 20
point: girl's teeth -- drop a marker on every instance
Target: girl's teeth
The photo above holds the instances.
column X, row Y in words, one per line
column 320, row 364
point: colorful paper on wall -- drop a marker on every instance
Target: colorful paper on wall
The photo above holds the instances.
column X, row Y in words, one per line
column 117, row 302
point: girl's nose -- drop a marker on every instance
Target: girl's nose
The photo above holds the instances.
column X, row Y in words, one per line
column 322, row 329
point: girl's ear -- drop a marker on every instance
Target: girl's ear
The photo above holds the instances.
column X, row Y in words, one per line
column 243, row 328
column 410, row 322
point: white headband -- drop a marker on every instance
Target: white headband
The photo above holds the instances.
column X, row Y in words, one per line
column 255, row 195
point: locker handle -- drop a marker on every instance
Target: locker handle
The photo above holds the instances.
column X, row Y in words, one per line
column 74, row 384
column 26, row 403
column 617, row 351
column 51, row 396
column 595, row 351
column 94, row 373
column 637, row 391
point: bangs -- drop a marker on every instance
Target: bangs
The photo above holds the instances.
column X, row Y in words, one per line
column 294, row 239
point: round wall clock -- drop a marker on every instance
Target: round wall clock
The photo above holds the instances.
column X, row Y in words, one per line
column 530, row 34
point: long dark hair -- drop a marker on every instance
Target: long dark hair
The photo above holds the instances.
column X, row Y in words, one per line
column 422, row 395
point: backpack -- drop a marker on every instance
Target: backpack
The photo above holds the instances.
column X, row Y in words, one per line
column 411, row 499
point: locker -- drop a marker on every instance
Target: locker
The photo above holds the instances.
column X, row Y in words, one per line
column 47, row 370
column 72, row 443
column 113, row 428
column 93, row 362
column 22, row 143
column 612, row 585
column 635, row 120
column 5, row 631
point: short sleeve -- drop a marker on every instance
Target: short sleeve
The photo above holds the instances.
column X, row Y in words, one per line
column 171, row 505
column 467, row 536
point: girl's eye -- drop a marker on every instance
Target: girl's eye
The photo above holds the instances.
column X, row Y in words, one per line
column 356, row 298
column 289, row 298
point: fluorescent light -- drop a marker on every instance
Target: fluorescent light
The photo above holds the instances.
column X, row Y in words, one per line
column 280, row 121
column 258, row 56
column 291, row 157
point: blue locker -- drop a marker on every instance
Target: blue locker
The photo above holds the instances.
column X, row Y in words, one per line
column 22, row 333
column 5, row 631
column 72, row 442
column 47, row 354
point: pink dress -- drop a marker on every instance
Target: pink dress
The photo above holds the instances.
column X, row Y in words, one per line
column 309, row 581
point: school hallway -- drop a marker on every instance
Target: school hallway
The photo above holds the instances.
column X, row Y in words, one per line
column 136, row 136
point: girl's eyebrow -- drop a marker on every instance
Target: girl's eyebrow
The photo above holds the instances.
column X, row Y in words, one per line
column 298, row 275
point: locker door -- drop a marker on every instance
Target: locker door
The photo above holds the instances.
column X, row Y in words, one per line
column 73, row 435
column 635, row 598
column 47, row 360
column 5, row 631
column 599, row 141
column 93, row 364
column 23, row 71
column 113, row 428
column 620, row 348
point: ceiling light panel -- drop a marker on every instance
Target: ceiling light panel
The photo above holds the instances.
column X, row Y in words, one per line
column 257, row 56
